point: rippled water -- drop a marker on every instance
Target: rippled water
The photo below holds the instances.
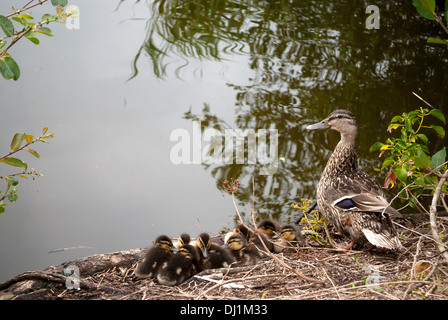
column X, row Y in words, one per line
column 115, row 90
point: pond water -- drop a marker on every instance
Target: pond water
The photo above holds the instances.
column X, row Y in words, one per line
column 139, row 81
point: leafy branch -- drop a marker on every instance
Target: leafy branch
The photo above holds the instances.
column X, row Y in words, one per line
column 8, row 66
column 410, row 160
column 16, row 146
column 426, row 8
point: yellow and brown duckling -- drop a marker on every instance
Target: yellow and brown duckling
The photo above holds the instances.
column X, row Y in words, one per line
column 181, row 266
column 183, row 239
column 245, row 253
column 253, row 238
column 267, row 229
column 290, row 236
column 154, row 257
column 211, row 254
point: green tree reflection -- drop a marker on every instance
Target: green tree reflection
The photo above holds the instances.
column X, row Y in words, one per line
column 308, row 58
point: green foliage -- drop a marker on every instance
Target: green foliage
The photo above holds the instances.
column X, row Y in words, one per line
column 412, row 171
column 20, row 141
column 28, row 29
column 426, row 8
column 313, row 222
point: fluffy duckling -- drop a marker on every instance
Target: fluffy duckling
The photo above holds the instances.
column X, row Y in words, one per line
column 268, row 229
column 290, row 234
column 183, row 239
column 212, row 255
column 179, row 267
column 252, row 238
column 245, row 254
column 155, row 257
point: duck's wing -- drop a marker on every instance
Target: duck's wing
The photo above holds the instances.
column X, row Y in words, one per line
column 361, row 193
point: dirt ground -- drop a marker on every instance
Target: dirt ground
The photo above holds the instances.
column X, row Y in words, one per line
column 313, row 272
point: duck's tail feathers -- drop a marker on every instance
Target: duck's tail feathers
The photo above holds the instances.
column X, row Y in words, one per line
column 382, row 240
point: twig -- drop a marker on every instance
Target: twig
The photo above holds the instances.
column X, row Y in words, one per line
column 432, row 216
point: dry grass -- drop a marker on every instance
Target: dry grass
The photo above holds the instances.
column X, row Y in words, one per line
column 366, row 274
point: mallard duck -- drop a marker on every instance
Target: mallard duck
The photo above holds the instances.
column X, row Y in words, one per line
column 155, row 257
column 181, row 266
column 290, row 236
column 267, row 229
column 348, row 197
column 245, row 253
column 212, row 255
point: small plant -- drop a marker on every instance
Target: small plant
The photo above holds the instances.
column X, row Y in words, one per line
column 10, row 193
column 412, row 171
column 29, row 29
column 313, row 222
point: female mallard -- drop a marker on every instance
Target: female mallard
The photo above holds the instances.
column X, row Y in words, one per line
column 348, row 197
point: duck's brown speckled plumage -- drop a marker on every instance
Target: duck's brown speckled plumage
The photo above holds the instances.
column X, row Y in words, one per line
column 347, row 196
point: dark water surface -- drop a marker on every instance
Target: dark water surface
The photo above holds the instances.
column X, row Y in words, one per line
column 119, row 92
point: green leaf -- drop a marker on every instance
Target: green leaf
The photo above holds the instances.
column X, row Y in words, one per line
column 13, row 197
column 2, row 209
column 425, row 8
column 7, row 26
column 438, row 158
column 46, row 31
column 376, row 146
column 387, row 162
column 402, row 174
column 440, row 131
column 437, row 113
column 9, row 68
column 423, row 137
column 26, row 16
column 408, row 125
column 397, row 118
column 17, row 140
column 62, row 3
column 32, row 39
column 14, row 162
column 437, row 40
column 11, row 180
column 33, row 152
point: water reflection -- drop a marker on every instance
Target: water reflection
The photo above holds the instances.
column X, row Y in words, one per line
column 308, row 58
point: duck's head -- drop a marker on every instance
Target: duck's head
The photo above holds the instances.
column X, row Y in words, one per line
column 164, row 242
column 203, row 243
column 340, row 120
column 288, row 233
column 184, row 239
column 236, row 242
column 267, row 227
column 243, row 230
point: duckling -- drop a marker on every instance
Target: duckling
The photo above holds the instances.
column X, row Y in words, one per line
column 252, row 238
column 155, row 257
column 289, row 235
column 183, row 239
column 245, row 253
column 267, row 229
column 179, row 267
column 212, row 255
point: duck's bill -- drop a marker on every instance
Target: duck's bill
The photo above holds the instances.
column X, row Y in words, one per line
column 205, row 252
column 318, row 126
